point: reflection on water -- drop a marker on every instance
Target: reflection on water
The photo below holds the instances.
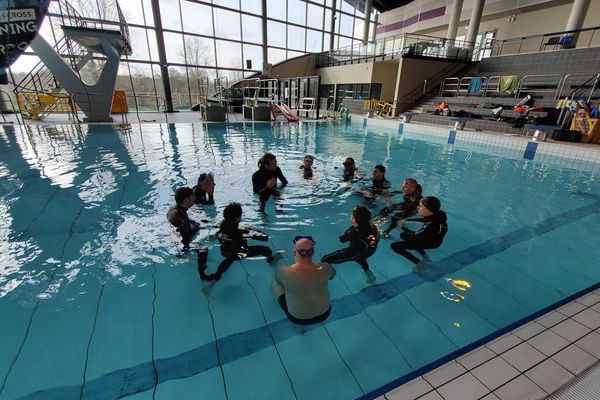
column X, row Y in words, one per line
column 93, row 200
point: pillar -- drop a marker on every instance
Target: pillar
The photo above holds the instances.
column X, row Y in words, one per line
column 332, row 31
column 162, row 57
column 265, row 54
column 454, row 19
column 368, row 6
column 578, row 12
column 575, row 22
column 474, row 22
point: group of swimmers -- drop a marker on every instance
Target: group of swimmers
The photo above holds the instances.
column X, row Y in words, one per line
column 301, row 288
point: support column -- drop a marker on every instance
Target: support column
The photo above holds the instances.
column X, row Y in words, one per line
column 332, row 31
column 474, row 22
column 454, row 19
column 162, row 56
column 265, row 54
column 368, row 6
column 575, row 22
column 376, row 22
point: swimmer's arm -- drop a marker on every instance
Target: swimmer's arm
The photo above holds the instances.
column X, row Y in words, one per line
column 281, row 177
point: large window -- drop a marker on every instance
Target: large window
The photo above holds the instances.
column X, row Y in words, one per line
column 206, row 39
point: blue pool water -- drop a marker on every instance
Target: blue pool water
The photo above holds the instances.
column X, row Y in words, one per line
column 95, row 304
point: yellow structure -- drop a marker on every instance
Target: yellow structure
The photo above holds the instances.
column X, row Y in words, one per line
column 38, row 105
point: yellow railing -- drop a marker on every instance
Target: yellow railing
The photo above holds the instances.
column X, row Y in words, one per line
column 38, row 105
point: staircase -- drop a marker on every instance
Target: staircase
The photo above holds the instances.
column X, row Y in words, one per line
column 426, row 99
column 55, row 84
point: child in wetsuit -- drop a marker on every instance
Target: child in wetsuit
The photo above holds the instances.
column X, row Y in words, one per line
column 187, row 228
column 204, row 190
column 233, row 239
column 306, row 167
column 264, row 181
column 411, row 193
column 431, row 234
column 363, row 237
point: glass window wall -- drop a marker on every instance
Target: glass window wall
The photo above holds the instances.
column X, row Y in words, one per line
column 206, row 38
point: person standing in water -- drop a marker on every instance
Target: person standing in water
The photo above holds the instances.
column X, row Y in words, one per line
column 264, row 181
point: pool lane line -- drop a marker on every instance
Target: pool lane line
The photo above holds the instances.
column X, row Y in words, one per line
column 139, row 378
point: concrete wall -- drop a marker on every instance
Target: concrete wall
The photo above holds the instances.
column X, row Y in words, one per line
column 299, row 66
column 412, row 73
column 386, row 73
column 355, row 73
column 531, row 17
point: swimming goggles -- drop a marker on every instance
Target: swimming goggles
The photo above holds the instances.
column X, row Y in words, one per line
column 304, row 252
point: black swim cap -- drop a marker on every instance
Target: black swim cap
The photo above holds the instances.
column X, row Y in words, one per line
column 432, row 203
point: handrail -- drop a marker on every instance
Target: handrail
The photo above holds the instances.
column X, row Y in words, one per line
column 442, row 87
column 164, row 104
column 12, row 105
column 498, row 46
column 525, row 77
column 594, row 77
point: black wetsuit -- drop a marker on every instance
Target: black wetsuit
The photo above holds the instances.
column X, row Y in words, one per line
column 202, row 197
column 188, row 228
column 377, row 188
column 307, row 173
column 259, row 183
column 430, row 236
column 234, row 246
column 407, row 208
column 348, row 174
column 363, row 243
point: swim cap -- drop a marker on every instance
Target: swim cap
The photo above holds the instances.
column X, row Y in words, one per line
column 432, row 203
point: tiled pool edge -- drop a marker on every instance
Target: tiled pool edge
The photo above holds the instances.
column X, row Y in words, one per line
column 579, row 156
column 397, row 386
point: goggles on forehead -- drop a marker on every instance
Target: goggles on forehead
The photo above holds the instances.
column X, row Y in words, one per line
column 304, row 252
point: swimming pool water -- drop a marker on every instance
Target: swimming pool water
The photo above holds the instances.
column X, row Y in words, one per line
column 95, row 304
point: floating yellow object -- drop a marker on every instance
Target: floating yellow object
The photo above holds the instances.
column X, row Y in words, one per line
column 456, row 324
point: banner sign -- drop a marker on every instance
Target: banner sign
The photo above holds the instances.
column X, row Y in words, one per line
column 20, row 21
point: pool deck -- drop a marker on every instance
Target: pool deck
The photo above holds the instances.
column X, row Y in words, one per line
column 530, row 362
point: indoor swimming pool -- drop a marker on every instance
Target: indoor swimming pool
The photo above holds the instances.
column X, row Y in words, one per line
column 96, row 304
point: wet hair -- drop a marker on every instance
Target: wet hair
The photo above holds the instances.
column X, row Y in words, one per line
column 265, row 159
column 419, row 189
column 361, row 215
column 183, row 193
column 309, row 157
column 432, row 203
column 350, row 160
column 411, row 180
column 203, row 176
column 232, row 212
column 380, row 168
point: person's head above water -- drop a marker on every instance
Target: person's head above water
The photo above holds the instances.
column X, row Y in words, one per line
column 184, row 196
column 410, row 186
column 361, row 216
column 304, row 248
column 349, row 163
column 233, row 213
column 378, row 172
column 205, row 181
column 268, row 161
column 429, row 206
column 308, row 161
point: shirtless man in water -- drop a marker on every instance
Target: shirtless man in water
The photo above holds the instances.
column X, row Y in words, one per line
column 301, row 288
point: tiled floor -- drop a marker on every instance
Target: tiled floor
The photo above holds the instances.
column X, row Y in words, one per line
column 530, row 362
